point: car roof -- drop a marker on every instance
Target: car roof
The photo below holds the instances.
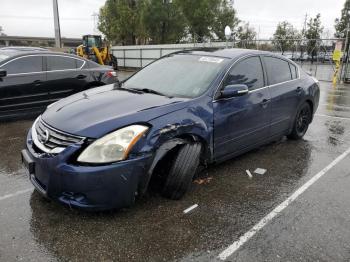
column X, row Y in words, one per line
column 23, row 48
column 10, row 53
column 231, row 53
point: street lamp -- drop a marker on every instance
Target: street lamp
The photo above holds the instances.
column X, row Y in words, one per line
column 228, row 33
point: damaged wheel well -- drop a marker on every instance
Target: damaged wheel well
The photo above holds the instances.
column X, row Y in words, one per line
column 164, row 157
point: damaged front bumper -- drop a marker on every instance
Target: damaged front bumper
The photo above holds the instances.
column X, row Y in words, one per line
column 87, row 187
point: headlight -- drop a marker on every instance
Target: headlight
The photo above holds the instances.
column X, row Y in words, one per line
column 114, row 146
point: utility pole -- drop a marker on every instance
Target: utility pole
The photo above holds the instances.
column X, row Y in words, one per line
column 305, row 21
column 57, row 25
column 95, row 18
column 344, row 69
column 303, row 37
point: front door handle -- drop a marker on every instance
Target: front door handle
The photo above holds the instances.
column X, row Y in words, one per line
column 265, row 102
column 299, row 89
column 81, row 76
column 37, row 82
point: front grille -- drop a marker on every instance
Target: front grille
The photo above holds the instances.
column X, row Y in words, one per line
column 50, row 138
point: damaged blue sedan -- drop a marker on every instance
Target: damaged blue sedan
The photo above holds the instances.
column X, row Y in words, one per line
column 100, row 148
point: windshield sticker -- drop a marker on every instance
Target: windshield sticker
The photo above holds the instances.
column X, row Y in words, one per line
column 196, row 90
column 211, row 59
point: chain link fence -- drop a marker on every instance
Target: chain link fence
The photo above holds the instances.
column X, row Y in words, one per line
column 313, row 55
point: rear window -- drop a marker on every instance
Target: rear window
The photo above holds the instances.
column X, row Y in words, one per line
column 278, row 70
column 92, row 64
column 28, row 64
column 79, row 63
column 61, row 63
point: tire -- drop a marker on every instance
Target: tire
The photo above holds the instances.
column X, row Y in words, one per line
column 182, row 171
column 301, row 122
column 114, row 63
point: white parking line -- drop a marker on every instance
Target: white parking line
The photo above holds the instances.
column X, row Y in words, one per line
column 16, row 194
column 263, row 222
column 338, row 117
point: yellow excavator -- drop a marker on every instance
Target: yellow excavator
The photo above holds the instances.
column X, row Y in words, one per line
column 93, row 48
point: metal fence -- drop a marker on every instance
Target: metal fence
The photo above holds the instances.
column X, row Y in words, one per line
column 312, row 55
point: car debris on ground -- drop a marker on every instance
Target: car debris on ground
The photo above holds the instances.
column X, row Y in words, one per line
column 260, row 171
column 203, row 181
column 190, row 208
column 249, row 174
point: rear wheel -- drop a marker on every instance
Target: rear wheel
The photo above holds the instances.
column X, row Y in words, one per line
column 301, row 122
column 182, row 171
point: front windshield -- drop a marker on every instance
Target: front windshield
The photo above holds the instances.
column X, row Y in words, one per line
column 178, row 75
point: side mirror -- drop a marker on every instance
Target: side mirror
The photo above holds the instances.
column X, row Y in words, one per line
column 3, row 73
column 234, row 90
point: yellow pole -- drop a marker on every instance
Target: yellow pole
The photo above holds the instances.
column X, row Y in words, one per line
column 337, row 55
column 335, row 76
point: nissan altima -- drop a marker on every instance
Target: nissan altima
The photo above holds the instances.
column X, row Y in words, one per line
column 100, row 148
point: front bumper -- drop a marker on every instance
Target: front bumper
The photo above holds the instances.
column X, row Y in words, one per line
column 87, row 187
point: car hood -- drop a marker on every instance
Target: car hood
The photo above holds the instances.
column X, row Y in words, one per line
column 96, row 112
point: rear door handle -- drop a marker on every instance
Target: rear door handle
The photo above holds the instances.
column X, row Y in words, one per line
column 37, row 82
column 81, row 76
column 299, row 89
column 264, row 103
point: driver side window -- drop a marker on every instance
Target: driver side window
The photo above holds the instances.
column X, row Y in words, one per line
column 248, row 71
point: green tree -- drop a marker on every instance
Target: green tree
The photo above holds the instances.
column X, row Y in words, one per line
column 206, row 18
column 284, row 36
column 119, row 20
column 226, row 15
column 164, row 21
column 246, row 36
column 342, row 22
column 313, row 33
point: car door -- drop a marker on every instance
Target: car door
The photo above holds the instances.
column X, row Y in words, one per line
column 285, row 93
column 242, row 122
column 65, row 75
column 22, row 89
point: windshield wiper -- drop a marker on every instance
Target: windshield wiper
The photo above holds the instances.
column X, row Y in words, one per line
column 150, row 91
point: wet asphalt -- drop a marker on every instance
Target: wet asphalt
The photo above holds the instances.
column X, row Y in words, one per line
column 315, row 227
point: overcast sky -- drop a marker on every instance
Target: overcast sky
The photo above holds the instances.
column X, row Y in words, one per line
column 35, row 17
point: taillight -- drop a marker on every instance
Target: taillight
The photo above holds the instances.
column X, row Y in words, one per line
column 111, row 74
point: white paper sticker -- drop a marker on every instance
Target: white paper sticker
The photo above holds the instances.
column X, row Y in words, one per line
column 211, row 59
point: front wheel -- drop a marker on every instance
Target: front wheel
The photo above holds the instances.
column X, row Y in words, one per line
column 182, row 171
column 301, row 122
